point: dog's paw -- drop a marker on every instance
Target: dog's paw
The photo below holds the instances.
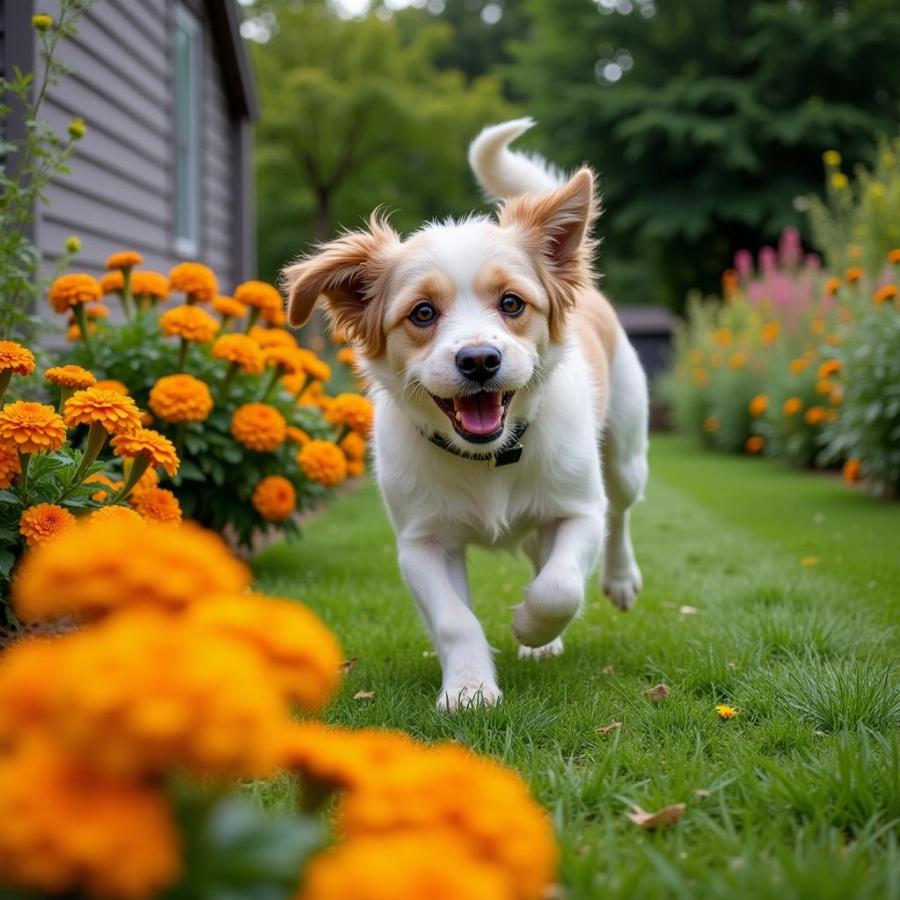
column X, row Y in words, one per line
column 554, row 648
column 550, row 604
column 461, row 695
column 623, row 588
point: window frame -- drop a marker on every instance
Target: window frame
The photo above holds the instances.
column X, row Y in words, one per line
column 187, row 243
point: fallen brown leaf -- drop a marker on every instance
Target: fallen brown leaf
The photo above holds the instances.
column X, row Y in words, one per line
column 606, row 729
column 348, row 664
column 364, row 695
column 662, row 818
column 658, row 692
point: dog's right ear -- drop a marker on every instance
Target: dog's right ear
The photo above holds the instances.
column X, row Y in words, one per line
column 345, row 273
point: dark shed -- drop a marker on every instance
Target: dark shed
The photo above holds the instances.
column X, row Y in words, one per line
column 166, row 91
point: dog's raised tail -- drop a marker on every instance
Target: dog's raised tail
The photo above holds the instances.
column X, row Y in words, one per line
column 504, row 173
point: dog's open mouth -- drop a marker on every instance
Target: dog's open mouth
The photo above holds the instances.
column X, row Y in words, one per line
column 478, row 418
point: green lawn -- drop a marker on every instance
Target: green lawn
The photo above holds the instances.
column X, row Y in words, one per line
column 799, row 795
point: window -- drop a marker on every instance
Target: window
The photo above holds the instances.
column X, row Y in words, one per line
column 187, row 74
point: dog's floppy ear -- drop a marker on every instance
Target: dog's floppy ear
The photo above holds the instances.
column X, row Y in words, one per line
column 556, row 225
column 344, row 272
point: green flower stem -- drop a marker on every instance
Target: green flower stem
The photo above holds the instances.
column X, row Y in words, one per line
column 81, row 319
column 179, row 439
column 182, row 355
column 127, row 297
column 344, row 432
column 139, row 465
column 230, row 372
column 24, row 459
column 306, row 383
column 5, row 378
column 251, row 319
column 97, row 436
column 223, row 327
column 190, row 299
column 277, row 372
column 64, row 394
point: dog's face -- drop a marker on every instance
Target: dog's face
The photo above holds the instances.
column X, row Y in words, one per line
column 461, row 322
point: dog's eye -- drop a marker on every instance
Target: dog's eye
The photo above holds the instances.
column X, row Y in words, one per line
column 424, row 314
column 511, row 305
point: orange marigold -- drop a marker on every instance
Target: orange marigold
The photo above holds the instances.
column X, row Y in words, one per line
column 240, row 349
column 722, row 336
column 258, row 294
column 147, row 481
column 829, row 368
column 110, row 384
column 755, row 444
column 815, row 414
column 190, row 323
column 885, row 293
column 316, row 368
column 737, row 360
column 894, row 256
column 44, row 521
column 112, row 282
column 9, row 464
column 73, row 333
column 403, row 867
column 854, row 274
column 300, row 651
column 114, row 512
column 272, row 337
column 67, row 830
column 799, row 365
column 274, row 498
column 72, row 377
column 15, row 358
column 195, row 280
column 100, row 478
column 181, row 398
column 792, row 406
column 115, row 412
column 228, row 307
column 274, row 316
column 354, row 447
column 770, row 332
column 324, row 462
column 700, row 377
column 286, row 358
column 158, row 505
column 347, row 356
column 124, row 259
column 158, row 449
column 258, row 426
column 100, row 567
column 431, row 791
column 31, row 427
column 96, row 311
column 832, row 286
column 817, row 326
column 146, row 283
column 852, row 470
column 351, row 410
column 758, row 405
column 70, row 290
column 710, row 424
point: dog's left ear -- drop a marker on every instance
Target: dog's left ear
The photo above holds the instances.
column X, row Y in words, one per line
column 557, row 225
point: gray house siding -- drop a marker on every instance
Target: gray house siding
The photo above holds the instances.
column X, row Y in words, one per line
column 120, row 191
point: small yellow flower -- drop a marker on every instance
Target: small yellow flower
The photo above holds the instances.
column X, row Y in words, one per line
column 831, row 158
column 41, row 22
column 809, row 561
column 77, row 129
column 72, row 244
column 725, row 712
column 839, row 181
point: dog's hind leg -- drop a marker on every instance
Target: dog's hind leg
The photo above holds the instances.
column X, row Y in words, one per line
column 625, row 472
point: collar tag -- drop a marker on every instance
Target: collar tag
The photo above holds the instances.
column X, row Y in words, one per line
column 508, row 456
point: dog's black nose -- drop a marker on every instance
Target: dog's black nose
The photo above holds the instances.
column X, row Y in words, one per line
column 479, row 363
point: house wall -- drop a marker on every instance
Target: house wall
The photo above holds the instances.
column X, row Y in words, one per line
column 119, row 193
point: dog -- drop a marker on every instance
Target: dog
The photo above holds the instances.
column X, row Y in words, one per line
column 510, row 408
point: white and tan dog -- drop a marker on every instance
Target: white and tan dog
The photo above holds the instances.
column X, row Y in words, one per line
column 510, row 407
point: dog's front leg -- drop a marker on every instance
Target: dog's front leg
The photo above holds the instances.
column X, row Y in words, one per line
column 436, row 575
column 557, row 592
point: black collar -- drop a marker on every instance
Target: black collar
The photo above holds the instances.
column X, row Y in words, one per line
column 510, row 452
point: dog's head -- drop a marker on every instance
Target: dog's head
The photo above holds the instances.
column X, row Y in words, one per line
column 462, row 321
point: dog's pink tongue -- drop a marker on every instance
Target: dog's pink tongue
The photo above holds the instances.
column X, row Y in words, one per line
column 480, row 413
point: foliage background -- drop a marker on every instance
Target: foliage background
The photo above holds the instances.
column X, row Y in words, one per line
column 706, row 119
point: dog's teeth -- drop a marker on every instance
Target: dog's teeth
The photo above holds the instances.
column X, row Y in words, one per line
column 459, row 417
